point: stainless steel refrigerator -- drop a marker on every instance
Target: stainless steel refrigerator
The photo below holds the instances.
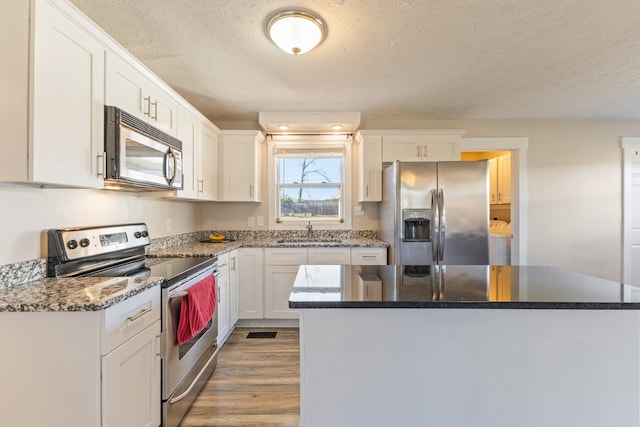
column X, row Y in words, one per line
column 436, row 212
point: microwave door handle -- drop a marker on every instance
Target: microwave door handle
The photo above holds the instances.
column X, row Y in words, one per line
column 170, row 167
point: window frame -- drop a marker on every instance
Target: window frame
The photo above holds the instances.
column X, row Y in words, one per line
column 309, row 142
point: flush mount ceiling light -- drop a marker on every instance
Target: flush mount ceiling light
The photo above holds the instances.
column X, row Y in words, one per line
column 296, row 31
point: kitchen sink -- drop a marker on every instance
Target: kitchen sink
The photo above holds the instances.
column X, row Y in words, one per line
column 302, row 240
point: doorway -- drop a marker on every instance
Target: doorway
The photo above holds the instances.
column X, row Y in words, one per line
column 516, row 212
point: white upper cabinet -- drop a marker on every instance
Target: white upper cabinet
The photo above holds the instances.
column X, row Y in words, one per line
column 504, row 179
column 369, row 154
column 188, row 133
column 206, row 157
column 128, row 88
column 240, row 166
column 62, row 143
column 500, row 179
column 421, row 146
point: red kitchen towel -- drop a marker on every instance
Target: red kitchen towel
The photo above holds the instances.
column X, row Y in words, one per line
column 197, row 308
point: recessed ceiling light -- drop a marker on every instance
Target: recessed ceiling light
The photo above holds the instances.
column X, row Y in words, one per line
column 296, row 31
column 283, row 127
column 336, row 127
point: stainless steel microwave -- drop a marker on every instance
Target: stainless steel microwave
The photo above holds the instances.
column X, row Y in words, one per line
column 140, row 155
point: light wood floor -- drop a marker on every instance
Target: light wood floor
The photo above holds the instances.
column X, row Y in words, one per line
column 256, row 383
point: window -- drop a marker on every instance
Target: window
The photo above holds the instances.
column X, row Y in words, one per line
column 310, row 184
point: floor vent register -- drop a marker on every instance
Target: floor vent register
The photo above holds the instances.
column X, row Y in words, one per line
column 262, row 334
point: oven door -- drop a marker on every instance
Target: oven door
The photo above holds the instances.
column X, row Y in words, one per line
column 186, row 367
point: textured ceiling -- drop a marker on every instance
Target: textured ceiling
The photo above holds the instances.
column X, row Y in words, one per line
column 392, row 59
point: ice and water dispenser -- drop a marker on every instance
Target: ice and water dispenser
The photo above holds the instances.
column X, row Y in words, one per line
column 416, row 224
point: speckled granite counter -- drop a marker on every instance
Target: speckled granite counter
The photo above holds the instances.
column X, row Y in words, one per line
column 24, row 288
column 73, row 294
column 497, row 287
column 196, row 248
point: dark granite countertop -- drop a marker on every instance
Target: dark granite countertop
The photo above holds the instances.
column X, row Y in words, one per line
column 495, row 287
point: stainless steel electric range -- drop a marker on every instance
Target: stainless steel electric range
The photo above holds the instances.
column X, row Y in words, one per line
column 119, row 250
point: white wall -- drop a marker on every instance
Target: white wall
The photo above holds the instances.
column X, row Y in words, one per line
column 28, row 210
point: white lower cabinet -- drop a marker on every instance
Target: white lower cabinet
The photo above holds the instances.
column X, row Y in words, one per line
column 222, row 294
column 233, row 289
column 131, row 381
column 266, row 276
column 278, row 281
column 251, row 283
column 281, row 268
column 83, row 368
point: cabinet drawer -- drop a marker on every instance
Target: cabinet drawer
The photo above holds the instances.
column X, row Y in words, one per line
column 126, row 319
column 285, row 256
column 368, row 256
column 329, row 256
column 223, row 264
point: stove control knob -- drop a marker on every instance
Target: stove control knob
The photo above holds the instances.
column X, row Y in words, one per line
column 145, row 234
column 84, row 242
column 137, row 234
column 72, row 244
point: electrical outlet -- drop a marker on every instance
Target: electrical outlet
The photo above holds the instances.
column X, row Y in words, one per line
column 250, row 221
column 169, row 224
column 359, row 210
column 260, row 221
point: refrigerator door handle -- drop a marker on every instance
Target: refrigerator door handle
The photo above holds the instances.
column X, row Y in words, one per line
column 443, row 224
column 435, row 225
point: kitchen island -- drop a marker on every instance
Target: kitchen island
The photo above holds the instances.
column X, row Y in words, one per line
column 466, row 346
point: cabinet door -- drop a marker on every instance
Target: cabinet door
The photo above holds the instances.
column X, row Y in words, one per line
column 370, row 169
column 240, row 157
column 222, row 285
column 277, row 289
column 188, row 134
column 67, row 145
column 504, row 183
column 250, row 283
column 493, row 181
column 126, row 87
column 207, row 159
column 436, row 150
column 131, row 382
column 407, row 148
column 329, row 256
column 162, row 110
column 233, row 289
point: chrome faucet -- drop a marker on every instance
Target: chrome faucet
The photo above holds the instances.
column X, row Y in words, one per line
column 309, row 230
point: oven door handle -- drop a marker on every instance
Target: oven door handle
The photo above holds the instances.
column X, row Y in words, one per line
column 178, row 295
column 195, row 380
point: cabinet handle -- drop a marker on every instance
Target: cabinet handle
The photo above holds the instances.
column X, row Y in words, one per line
column 218, row 295
column 137, row 316
column 369, row 257
column 158, row 346
column 147, row 112
column 366, row 187
column 425, row 151
column 233, row 264
column 499, row 197
column 102, row 164
column 155, row 109
column 200, row 186
column 250, row 190
column 418, row 151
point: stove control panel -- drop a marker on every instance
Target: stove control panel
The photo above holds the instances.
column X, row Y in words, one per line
column 74, row 243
